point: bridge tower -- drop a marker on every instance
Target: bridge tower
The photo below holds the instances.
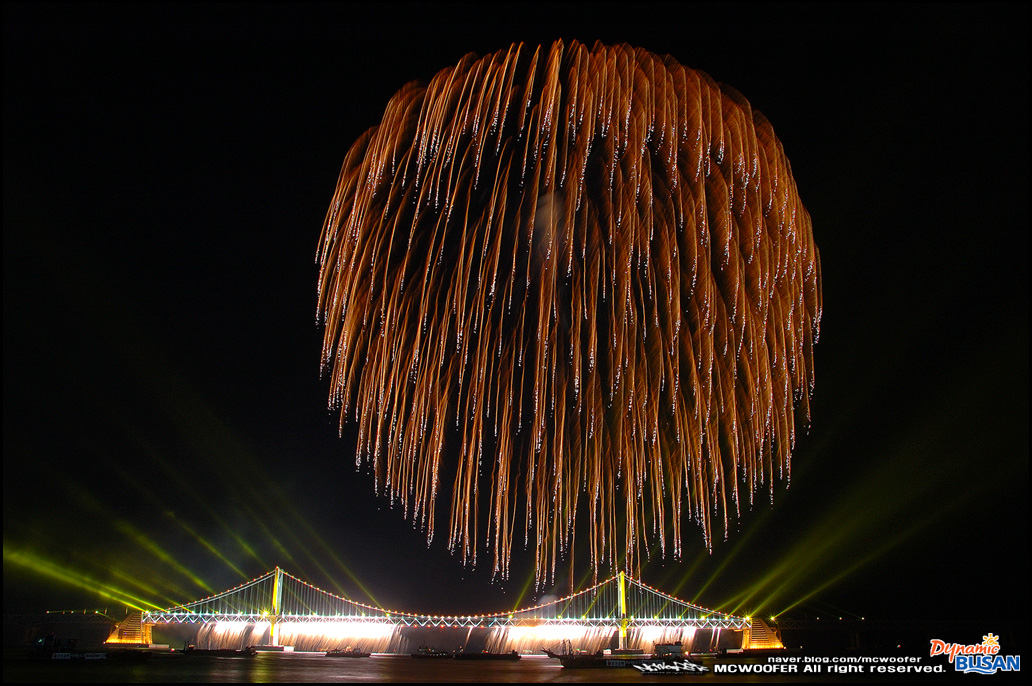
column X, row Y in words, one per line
column 277, row 605
column 624, row 620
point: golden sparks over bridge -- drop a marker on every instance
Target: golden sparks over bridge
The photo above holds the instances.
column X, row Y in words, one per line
column 577, row 286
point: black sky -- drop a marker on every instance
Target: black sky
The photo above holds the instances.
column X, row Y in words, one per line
column 166, row 172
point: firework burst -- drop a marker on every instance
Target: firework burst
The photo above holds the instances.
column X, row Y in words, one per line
column 578, row 287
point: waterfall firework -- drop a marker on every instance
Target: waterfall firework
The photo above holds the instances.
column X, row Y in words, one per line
column 577, row 286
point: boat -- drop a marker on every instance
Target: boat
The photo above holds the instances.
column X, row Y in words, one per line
column 624, row 657
column 576, row 659
column 346, row 652
column 667, row 658
column 620, row 657
column 249, row 651
column 668, row 650
column 484, row 655
column 428, row 652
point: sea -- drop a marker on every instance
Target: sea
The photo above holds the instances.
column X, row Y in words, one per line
column 317, row 668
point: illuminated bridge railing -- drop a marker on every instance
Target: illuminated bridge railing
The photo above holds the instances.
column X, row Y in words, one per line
column 282, row 597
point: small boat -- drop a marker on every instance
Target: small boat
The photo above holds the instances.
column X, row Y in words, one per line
column 484, row 655
column 576, row 659
column 249, row 651
column 346, row 652
column 428, row 652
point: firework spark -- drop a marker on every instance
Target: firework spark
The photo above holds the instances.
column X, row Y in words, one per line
column 581, row 281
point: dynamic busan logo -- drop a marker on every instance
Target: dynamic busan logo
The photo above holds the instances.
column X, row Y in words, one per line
column 983, row 658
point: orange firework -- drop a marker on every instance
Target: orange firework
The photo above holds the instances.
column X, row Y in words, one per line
column 581, row 281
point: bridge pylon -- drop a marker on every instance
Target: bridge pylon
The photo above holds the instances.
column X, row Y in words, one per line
column 277, row 605
column 624, row 619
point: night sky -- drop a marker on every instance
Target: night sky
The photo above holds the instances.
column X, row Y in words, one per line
column 166, row 431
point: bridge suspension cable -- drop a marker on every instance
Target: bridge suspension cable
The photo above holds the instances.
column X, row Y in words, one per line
column 279, row 597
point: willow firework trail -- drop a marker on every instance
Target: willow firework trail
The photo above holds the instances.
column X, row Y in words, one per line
column 581, row 281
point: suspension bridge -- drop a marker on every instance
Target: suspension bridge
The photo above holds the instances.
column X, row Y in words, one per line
column 282, row 610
